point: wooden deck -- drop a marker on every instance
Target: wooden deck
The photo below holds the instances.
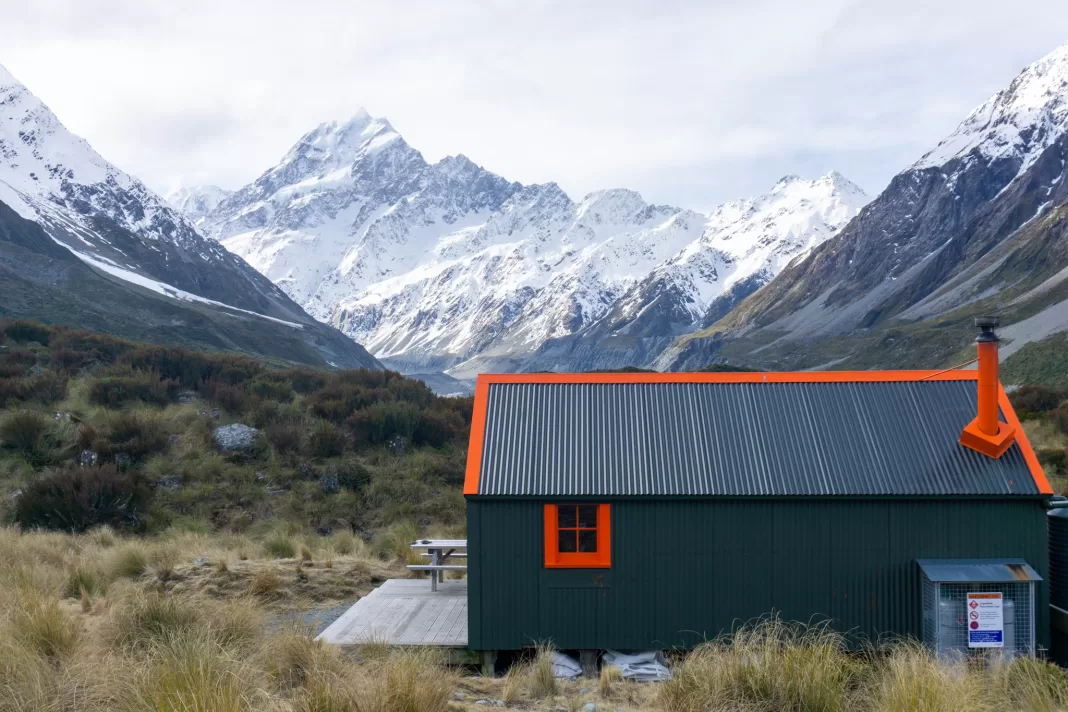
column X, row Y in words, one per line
column 405, row 612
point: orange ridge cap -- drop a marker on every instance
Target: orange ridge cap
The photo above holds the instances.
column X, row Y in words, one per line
column 478, row 434
column 732, row 377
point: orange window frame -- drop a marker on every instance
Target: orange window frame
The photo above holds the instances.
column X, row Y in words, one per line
column 600, row 559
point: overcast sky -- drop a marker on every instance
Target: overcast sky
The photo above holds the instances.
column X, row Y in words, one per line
column 691, row 103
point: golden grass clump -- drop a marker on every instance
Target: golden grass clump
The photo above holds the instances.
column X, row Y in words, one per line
column 1033, row 685
column 611, row 676
column 191, row 674
column 265, row 584
column 280, row 546
column 910, row 679
column 142, row 619
column 44, row 627
column 541, row 680
column 292, row 655
column 129, row 561
column 768, row 664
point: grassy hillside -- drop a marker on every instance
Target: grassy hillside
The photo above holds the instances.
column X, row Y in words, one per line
column 123, row 432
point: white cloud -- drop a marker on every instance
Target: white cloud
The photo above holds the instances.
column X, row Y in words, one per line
column 688, row 102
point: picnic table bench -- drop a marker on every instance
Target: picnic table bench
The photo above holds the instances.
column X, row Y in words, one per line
column 440, row 551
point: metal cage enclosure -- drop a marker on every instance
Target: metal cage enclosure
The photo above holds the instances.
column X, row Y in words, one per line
column 946, row 585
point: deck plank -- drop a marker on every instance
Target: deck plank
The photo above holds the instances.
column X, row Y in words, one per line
column 405, row 612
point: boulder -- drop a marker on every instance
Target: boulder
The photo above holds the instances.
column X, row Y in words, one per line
column 235, row 437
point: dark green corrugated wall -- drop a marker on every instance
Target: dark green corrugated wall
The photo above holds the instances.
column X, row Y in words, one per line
column 687, row 569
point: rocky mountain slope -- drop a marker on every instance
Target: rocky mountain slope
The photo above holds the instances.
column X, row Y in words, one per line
column 447, row 266
column 973, row 226
column 134, row 241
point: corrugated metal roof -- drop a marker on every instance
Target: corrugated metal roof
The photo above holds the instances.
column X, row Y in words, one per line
column 977, row 570
column 773, row 438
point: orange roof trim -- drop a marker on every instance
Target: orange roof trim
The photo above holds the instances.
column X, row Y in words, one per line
column 478, row 421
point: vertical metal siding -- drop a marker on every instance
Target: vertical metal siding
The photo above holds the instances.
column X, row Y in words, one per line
column 687, row 569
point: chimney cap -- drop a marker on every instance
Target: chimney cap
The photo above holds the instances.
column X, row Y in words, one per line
column 987, row 322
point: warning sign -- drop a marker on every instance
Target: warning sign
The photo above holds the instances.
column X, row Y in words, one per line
column 986, row 622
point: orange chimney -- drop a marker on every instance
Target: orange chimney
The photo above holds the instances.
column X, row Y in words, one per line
column 988, row 434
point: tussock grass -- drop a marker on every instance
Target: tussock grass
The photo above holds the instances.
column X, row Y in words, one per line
column 143, row 620
column 129, row 561
column 280, row 546
column 768, row 664
column 194, row 674
column 45, row 628
column 909, row 679
column 541, row 681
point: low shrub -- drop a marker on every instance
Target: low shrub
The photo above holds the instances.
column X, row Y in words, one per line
column 24, row 431
column 283, row 437
column 45, row 387
column 24, row 331
column 1035, row 400
column 76, row 499
column 127, row 386
column 326, row 440
column 380, row 422
column 272, row 387
column 131, row 433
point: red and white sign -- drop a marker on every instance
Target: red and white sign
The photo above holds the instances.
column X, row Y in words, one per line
column 986, row 622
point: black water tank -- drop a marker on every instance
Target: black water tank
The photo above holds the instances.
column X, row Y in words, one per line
column 1057, row 520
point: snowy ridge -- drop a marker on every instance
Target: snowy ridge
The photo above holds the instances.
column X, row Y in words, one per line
column 195, row 202
column 432, row 263
column 42, row 161
column 1019, row 121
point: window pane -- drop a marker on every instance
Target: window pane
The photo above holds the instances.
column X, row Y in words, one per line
column 587, row 540
column 587, row 516
column 565, row 517
column 566, row 540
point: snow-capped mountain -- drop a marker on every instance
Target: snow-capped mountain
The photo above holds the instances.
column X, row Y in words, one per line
column 196, row 201
column 433, row 265
column 1019, row 122
column 112, row 222
column 972, row 226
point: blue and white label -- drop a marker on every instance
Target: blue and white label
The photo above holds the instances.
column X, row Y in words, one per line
column 986, row 621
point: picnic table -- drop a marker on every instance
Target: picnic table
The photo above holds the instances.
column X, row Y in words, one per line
column 440, row 551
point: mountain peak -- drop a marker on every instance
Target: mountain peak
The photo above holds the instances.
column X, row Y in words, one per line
column 1019, row 121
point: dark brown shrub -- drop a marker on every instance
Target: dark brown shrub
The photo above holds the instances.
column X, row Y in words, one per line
column 133, row 434
column 14, row 363
column 1035, row 399
column 124, row 386
column 1060, row 419
column 382, row 421
column 227, row 396
column 303, row 381
column 1052, row 457
column 10, row 391
column 75, row 499
column 437, row 428
column 326, row 440
column 24, row 431
column 72, row 350
column 45, row 387
column 283, row 437
column 269, row 386
column 86, row 436
column 23, row 331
